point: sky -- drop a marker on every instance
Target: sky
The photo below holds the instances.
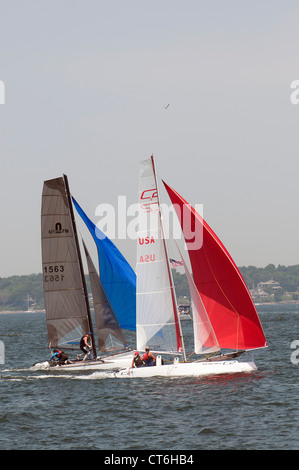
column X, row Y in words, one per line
column 86, row 86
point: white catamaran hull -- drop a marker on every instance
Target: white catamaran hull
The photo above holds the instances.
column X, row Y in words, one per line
column 108, row 363
column 188, row 369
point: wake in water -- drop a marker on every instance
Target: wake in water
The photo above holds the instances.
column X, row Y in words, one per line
column 26, row 374
column 95, row 376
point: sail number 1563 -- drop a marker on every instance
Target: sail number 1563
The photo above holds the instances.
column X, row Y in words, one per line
column 53, row 273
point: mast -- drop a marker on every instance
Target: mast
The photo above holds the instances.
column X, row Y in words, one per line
column 80, row 262
column 173, row 297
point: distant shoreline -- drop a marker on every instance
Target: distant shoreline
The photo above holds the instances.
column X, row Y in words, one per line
column 284, row 302
column 258, row 304
column 21, row 311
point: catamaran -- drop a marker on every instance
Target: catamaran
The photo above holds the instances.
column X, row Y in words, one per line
column 224, row 315
column 68, row 313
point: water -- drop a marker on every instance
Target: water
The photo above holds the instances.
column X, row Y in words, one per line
column 92, row 410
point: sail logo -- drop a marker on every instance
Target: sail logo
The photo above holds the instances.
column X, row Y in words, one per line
column 2, row 92
column 294, row 355
column 147, row 258
column 149, row 195
column 2, row 353
column 295, row 94
column 146, row 240
column 58, row 229
column 150, row 207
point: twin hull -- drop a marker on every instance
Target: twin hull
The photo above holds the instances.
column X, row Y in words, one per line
column 109, row 363
column 188, row 369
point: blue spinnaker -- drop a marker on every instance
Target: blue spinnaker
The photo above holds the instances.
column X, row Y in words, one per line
column 117, row 276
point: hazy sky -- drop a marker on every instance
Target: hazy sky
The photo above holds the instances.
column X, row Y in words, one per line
column 85, row 85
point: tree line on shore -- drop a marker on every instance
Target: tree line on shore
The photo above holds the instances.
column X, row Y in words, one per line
column 26, row 291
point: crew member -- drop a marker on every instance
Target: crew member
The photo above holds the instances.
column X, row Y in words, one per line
column 148, row 358
column 137, row 361
column 85, row 345
column 60, row 356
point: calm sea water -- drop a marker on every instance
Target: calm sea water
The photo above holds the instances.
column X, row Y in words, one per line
column 44, row 410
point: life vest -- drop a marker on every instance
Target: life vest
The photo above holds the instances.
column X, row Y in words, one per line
column 138, row 361
column 148, row 361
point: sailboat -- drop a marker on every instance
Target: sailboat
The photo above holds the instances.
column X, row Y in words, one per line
column 68, row 314
column 224, row 316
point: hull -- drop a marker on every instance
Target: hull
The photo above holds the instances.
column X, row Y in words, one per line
column 188, row 369
column 112, row 362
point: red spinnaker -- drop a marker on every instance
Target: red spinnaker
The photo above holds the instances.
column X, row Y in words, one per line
column 223, row 290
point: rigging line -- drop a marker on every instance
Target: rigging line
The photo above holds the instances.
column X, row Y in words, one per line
column 229, row 302
column 206, row 356
column 193, row 352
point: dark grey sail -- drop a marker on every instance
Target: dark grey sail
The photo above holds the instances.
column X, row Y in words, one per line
column 109, row 333
column 66, row 302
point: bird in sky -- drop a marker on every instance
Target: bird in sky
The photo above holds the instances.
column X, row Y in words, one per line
column 165, row 107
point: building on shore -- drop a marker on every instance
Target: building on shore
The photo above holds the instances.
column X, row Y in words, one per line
column 265, row 290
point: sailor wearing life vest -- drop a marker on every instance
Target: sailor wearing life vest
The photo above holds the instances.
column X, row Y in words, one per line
column 137, row 361
column 85, row 345
column 148, row 358
column 60, row 356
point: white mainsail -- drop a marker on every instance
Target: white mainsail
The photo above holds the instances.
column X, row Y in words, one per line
column 156, row 315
